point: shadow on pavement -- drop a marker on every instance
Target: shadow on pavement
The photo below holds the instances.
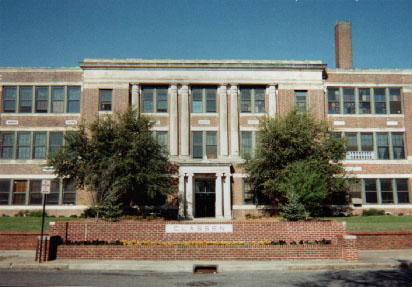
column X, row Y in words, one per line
column 397, row 277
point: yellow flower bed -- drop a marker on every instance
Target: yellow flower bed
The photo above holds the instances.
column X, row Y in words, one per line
column 192, row 243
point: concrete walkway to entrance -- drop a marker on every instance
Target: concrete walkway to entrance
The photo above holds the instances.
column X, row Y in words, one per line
column 373, row 259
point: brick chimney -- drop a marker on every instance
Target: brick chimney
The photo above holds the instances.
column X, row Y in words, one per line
column 343, row 45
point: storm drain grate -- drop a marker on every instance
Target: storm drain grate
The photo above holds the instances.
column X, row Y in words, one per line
column 204, row 269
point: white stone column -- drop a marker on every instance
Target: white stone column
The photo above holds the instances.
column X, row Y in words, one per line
column 173, row 133
column 189, row 196
column 234, row 122
column 184, row 121
column 219, row 203
column 181, row 196
column 223, row 120
column 227, row 197
column 272, row 100
column 135, row 97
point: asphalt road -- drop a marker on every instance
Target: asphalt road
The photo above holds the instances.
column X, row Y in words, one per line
column 398, row 277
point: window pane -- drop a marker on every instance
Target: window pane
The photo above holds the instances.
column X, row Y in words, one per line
column 367, row 141
column 26, row 99
column 386, row 191
column 69, row 192
column 211, row 100
column 19, row 192
column 364, row 101
column 7, row 145
column 402, row 190
column 245, row 101
column 35, row 195
column 380, row 101
column 10, row 99
column 73, row 97
column 40, row 145
column 4, row 192
column 211, row 144
column 300, row 99
column 352, row 144
column 58, row 100
column 370, row 191
column 333, row 101
column 161, row 100
column 246, row 143
column 349, row 106
column 395, row 101
column 106, row 100
column 382, row 145
column 23, row 145
column 162, row 139
column 248, row 194
column 197, row 144
column 398, row 146
column 53, row 197
column 148, row 106
column 42, row 99
column 55, row 142
column 259, row 100
column 197, row 103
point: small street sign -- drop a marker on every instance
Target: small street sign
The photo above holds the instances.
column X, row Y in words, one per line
column 45, row 186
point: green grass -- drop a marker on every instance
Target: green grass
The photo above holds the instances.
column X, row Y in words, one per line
column 376, row 223
column 28, row 223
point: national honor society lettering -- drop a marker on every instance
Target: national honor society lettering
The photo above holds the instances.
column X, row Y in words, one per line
column 199, row 228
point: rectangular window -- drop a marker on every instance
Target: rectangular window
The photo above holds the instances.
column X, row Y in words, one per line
column 73, row 100
column 386, row 191
column 23, row 145
column 162, row 139
column 364, row 101
column 395, row 101
column 402, row 190
column 211, row 100
column 367, row 141
column 248, row 193
column 161, row 98
column 300, row 99
column 69, row 192
column 246, row 143
column 36, row 198
column 40, row 145
column 379, row 97
column 53, row 197
column 55, row 142
column 42, row 99
column 58, row 99
column 197, row 146
column 382, row 144
column 154, row 99
column 333, row 101
column 398, row 146
column 19, row 192
column 7, row 145
column 10, row 99
column 211, row 144
column 252, row 100
column 370, row 191
column 105, row 100
column 26, row 99
column 197, row 100
column 4, row 191
column 352, row 143
column 349, row 104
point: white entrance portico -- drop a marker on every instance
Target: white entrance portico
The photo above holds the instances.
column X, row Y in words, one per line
column 205, row 191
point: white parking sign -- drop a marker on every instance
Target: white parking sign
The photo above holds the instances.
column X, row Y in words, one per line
column 45, row 186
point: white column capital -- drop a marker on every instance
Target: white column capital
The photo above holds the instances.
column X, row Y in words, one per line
column 184, row 89
column 173, row 88
column 233, row 89
column 222, row 89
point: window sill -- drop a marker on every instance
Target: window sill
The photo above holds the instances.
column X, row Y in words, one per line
column 204, row 114
column 155, row 114
column 39, row 114
column 368, row 115
column 252, row 114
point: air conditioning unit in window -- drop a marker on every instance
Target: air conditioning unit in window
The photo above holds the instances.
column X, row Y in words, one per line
column 357, row 201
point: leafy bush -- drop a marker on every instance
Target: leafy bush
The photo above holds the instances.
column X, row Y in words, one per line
column 293, row 210
column 26, row 213
column 373, row 212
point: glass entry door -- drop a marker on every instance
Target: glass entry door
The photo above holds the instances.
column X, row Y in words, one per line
column 205, row 198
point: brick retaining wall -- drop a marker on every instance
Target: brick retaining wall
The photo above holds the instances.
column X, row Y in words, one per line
column 18, row 240
column 383, row 240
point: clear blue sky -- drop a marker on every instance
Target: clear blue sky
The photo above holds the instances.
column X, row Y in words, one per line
column 64, row 32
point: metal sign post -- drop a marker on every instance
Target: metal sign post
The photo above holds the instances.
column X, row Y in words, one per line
column 45, row 190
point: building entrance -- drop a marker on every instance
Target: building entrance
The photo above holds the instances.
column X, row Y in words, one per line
column 205, row 198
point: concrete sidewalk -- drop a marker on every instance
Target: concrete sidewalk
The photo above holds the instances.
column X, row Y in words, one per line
column 23, row 259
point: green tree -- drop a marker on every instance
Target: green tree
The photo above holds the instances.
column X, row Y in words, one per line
column 296, row 155
column 118, row 161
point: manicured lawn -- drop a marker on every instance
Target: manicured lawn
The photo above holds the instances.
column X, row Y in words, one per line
column 376, row 223
column 28, row 223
